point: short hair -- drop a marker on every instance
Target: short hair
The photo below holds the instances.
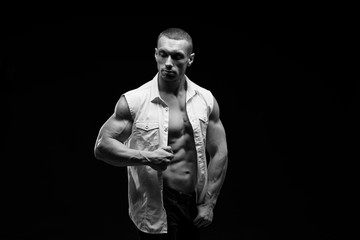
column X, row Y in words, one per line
column 177, row 34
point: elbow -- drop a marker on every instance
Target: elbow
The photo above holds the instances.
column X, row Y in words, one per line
column 102, row 152
column 98, row 152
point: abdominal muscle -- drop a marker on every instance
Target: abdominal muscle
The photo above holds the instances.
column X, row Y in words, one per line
column 182, row 171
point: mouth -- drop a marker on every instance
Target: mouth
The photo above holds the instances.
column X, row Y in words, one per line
column 169, row 73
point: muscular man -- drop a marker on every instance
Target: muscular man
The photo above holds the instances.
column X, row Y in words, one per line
column 161, row 132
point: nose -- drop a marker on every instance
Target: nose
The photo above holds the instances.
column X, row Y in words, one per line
column 168, row 63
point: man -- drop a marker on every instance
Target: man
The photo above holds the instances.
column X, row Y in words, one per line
column 161, row 132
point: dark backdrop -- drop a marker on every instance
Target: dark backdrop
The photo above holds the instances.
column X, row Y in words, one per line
column 286, row 102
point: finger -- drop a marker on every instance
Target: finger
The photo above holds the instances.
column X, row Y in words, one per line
column 200, row 223
column 203, row 223
column 166, row 160
column 168, row 149
column 196, row 221
column 206, row 223
column 168, row 157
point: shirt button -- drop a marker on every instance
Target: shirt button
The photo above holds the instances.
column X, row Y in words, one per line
column 166, row 109
column 166, row 129
column 146, row 127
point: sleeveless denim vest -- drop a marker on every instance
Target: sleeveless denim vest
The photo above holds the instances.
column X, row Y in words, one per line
column 149, row 132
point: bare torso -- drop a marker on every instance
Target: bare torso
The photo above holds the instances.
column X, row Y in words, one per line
column 182, row 172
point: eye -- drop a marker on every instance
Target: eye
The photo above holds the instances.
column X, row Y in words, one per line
column 163, row 54
column 177, row 56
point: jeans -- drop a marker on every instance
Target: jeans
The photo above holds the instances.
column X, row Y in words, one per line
column 181, row 211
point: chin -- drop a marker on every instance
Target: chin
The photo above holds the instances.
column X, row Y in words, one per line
column 170, row 79
column 167, row 77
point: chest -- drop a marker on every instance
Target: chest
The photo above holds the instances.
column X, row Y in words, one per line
column 178, row 122
column 178, row 119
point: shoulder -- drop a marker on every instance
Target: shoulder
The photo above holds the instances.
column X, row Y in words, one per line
column 135, row 97
column 204, row 93
column 198, row 88
column 122, row 110
column 138, row 92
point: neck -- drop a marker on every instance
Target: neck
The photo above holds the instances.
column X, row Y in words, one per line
column 172, row 87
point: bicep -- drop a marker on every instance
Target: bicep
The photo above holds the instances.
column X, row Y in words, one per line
column 216, row 137
column 119, row 125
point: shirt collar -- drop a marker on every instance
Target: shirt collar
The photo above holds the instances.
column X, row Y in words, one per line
column 155, row 94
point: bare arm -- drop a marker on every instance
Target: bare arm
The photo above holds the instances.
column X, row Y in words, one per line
column 110, row 148
column 217, row 148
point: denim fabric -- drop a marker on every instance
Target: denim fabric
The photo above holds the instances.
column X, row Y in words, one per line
column 181, row 211
column 150, row 131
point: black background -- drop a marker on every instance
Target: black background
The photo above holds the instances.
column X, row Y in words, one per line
column 287, row 100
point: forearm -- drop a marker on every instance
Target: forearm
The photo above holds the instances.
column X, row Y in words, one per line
column 216, row 177
column 117, row 154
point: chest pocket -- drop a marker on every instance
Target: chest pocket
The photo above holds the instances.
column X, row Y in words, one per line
column 145, row 136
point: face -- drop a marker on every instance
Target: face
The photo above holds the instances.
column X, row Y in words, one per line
column 172, row 58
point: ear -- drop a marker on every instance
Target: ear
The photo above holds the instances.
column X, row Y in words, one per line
column 155, row 53
column 191, row 59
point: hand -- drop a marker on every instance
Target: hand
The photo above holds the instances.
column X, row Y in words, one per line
column 160, row 158
column 205, row 215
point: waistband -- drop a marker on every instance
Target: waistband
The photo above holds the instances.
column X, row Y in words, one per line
column 178, row 194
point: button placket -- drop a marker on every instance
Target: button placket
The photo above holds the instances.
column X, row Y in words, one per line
column 167, row 115
column 166, row 124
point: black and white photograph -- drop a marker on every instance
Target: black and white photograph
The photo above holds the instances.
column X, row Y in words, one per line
column 178, row 127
